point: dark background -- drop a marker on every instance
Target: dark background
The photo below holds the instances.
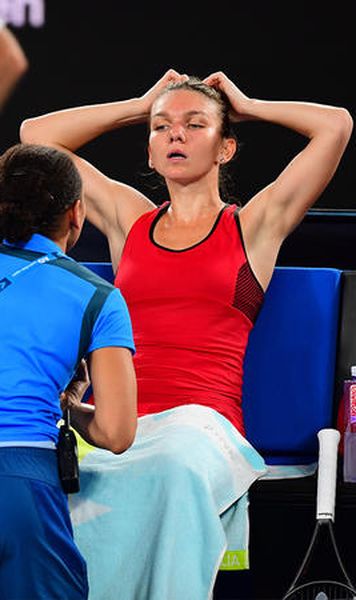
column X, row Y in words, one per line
column 91, row 51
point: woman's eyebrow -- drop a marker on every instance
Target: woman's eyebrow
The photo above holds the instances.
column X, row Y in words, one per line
column 192, row 113
column 188, row 113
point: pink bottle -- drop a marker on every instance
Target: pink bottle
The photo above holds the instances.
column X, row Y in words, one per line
column 349, row 399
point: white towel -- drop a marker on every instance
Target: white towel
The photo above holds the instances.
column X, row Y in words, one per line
column 155, row 522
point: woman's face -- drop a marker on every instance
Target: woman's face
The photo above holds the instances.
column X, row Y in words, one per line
column 185, row 140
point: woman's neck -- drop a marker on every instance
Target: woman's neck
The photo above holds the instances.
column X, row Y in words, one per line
column 193, row 201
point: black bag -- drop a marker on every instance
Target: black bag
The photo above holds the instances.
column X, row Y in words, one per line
column 67, row 453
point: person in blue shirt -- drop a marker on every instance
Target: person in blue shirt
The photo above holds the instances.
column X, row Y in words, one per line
column 53, row 312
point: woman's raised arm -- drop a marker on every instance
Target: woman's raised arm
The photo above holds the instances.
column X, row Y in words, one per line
column 275, row 211
column 111, row 206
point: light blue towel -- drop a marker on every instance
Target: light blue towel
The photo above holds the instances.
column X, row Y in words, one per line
column 155, row 522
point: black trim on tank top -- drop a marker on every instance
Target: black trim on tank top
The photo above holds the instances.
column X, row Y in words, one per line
column 238, row 225
column 159, row 215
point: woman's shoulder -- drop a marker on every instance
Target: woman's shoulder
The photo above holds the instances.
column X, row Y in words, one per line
column 232, row 209
column 146, row 218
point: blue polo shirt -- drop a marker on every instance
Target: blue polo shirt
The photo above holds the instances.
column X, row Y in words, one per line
column 53, row 312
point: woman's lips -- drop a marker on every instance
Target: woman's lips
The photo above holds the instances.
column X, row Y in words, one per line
column 176, row 155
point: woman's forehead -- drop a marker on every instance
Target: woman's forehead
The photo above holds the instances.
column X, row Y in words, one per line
column 183, row 100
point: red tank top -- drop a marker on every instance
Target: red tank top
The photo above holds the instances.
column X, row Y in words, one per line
column 192, row 311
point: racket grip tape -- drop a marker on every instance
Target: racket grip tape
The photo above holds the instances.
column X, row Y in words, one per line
column 327, row 472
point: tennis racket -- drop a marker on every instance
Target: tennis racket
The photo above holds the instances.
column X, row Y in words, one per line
column 322, row 575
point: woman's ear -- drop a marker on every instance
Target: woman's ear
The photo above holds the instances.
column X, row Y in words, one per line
column 228, row 150
column 76, row 214
column 150, row 163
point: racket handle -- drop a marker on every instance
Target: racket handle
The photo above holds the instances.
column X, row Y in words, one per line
column 327, row 472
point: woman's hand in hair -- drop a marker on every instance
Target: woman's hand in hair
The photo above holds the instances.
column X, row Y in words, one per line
column 171, row 76
column 240, row 103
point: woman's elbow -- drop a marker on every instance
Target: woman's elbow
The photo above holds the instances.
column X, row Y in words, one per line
column 26, row 132
column 121, row 441
column 120, row 446
column 21, row 65
column 343, row 123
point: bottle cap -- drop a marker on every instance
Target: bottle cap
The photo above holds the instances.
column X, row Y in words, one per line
column 353, row 371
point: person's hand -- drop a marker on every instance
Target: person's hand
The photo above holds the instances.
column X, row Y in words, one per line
column 239, row 102
column 171, row 76
column 75, row 390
